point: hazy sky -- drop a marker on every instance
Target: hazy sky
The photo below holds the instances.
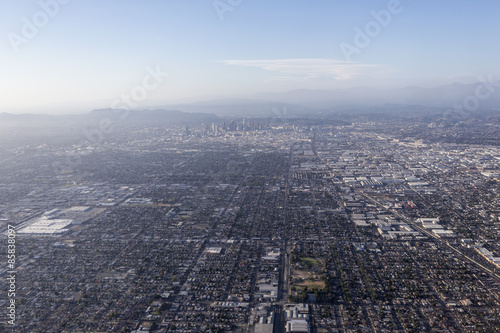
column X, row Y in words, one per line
column 95, row 53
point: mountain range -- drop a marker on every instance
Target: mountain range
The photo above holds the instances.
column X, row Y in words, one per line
column 293, row 103
column 303, row 102
column 488, row 95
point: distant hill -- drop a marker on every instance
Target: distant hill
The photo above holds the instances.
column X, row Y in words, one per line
column 305, row 102
column 289, row 104
column 443, row 96
column 146, row 118
column 32, row 129
column 240, row 107
column 125, row 117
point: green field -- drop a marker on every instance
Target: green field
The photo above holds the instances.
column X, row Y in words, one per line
column 309, row 262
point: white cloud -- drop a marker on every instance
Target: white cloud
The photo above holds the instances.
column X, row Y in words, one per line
column 310, row 68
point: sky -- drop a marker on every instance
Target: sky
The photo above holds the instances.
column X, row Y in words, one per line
column 72, row 55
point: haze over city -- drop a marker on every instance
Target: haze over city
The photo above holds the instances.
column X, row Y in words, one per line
column 249, row 166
